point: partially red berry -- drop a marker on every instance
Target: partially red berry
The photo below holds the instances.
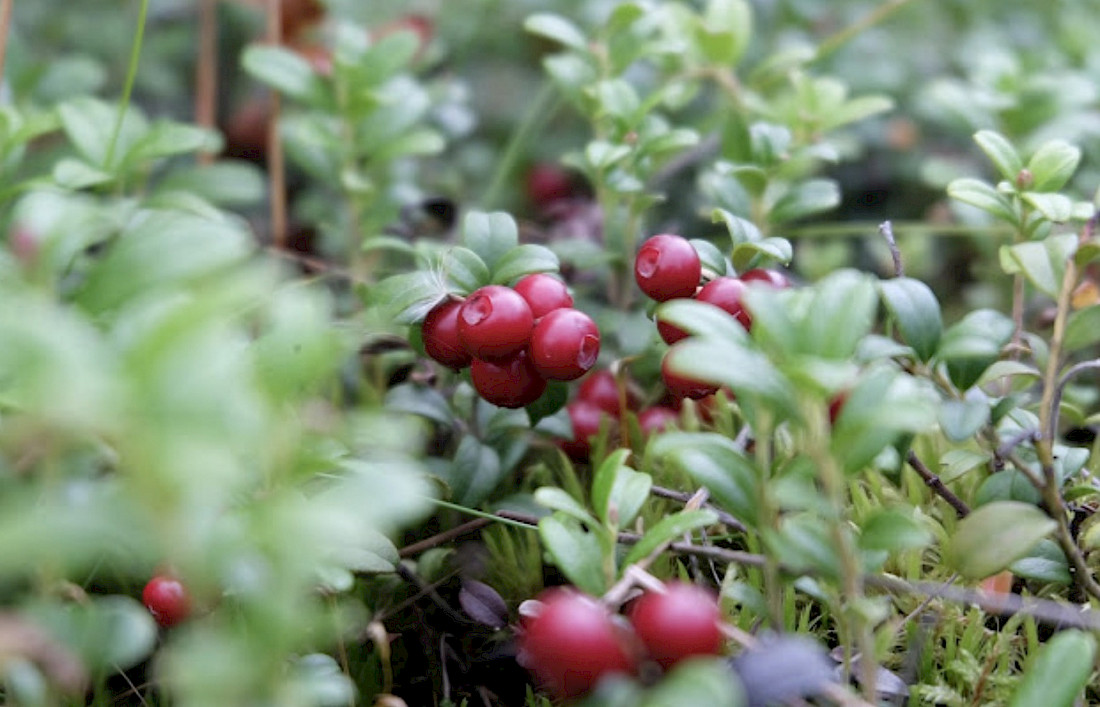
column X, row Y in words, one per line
column 509, row 383
column 657, row 419
column 836, row 405
column 667, row 267
column 772, row 277
column 547, row 183
column 564, row 345
column 440, row 335
column 494, row 323
column 726, row 293
column 601, row 389
column 681, row 386
column 572, row 643
column 681, row 622
column 167, row 600
column 544, row 293
column 585, row 417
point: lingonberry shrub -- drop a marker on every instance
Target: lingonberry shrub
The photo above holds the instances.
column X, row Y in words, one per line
column 682, row 621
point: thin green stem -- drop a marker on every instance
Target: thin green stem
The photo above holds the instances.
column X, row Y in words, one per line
column 880, row 14
column 128, row 87
column 541, row 110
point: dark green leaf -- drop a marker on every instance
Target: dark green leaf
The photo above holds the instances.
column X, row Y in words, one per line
column 960, row 419
column 576, row 552
column 697, row 681
column 839, row 314
column 717, row 463
column 808, row 198
column 550, row 402
column 711, row 258
column 618, row 491
column 490, row 235
column 893, row 531
column 474, row 473
column 463, row 269
column 669, row 529
column 747, row 371
column 1058, row 673
column 524, row 260
column 409, row 296
column 916, row 311
column 1045, row 563
column 996, row 535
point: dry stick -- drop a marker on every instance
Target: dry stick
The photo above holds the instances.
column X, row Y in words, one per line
column 936, row 484
column 276, row 168
column 206, row 73
column 1010, row 444
column 5, row 28
column 886, row 230
column 446, row 536
column 723, row 517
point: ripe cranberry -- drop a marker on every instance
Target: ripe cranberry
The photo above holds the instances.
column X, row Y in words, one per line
column 565, row 345
column 509, row 383
column 544, row 293
column 726, row 293
column 657, row 418
column 585, row 416
column 679, row 623
column 494, row 323
column 667, row 267
column 682, row 386
column 167, row 600
column 440, row 335
column 547, row 183
column 670, row 333
column 572, row 643
column 772, row 277
column 601, row 389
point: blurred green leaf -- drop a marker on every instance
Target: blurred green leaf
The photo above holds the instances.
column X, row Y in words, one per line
column 285, row 71
column 1058, row 672
column 893, row 531
column 618, row 491
column 697, row 681
column 557, row 28
column 490, row 235
column 576, row 552
column 1042, row 262
column 916, row 311
column 1000, row 152
column 669, row 529
column 1052, row 165
column 977, row 193
column 524, row 260
column 994, row 536
column 805, row 199
column 960, row 419
column 717, row 463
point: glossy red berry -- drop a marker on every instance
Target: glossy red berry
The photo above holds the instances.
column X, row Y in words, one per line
column 681, row 622
column 509, row 383
column 440, row 335
column 572, row 643
column 544, row 293
column 601, row 389
column 564, row 345
column 667, row 267
column 771, row 277
column 681, row 386
column 726, row 293
column 657, row 418
column 167, row 600
column 494, row 323
column 585, row 417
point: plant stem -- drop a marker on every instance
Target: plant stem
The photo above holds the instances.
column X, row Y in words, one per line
column 936, row 484
column 128, row 87
column 880, row 14
column 206, row 73
column 5, row 30
column 276, row 168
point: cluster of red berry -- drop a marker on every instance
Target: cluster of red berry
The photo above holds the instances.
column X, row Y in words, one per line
column 573, row 640
column 597, row 398
column 514, row 339
column 668, row 267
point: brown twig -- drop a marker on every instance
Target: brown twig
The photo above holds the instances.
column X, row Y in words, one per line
column 276, row 167
column 5, row 29
column 444, row 537
column 206, row 72
column 886, row 230
column 936, row 484
column 723, row 517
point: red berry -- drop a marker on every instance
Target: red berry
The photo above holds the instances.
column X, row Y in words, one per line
column 440, row 335
column 679, row 623
column 667, row 267
column 509, row 383
column 572, row 643
column 670, row 333
column 601, row 389
column 494, row 323
column 681, row 386
column 657, row 419
column 726, row 293
column 585, row 417
column 565, row 345
column 167, row 600
column 836, row 405
column 772, row 277
column 547, row 183
column 544, row 293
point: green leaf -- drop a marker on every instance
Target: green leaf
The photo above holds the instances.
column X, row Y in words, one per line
column 576, row 552
column 463, row 269
column 973, row 344
column 1059, row 671
column 558, row 500
column 388, row 56
column 892, row 531
column 840, row 312
column 667, row 530
column 717, row 463
column 810, row 197
column 855, row 110
column 1052, row 165
column 1045, row 563
column 557, row 28
column 89, row 123
column 1042, row 262
column 761, row 253
column 696, row 681
column 711, row 258
column 228, row 183
column 110, row 633
column 960, row 419
column 490, row 235
column 167, row 138
column 285, row 71
column 1001, row 153
column 475, row 472
column 409, row 296
column 747, row 371
column 740, row 230
column 550, row 402
column 917, row 313
column 618, row 491
column 701, row 319
column 1083, row 329
column 77, row 174
column 416, row 142
column 996, row 535
column 1054, row 207
column 977, row 193
column 724, row 31
column 524, row 260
